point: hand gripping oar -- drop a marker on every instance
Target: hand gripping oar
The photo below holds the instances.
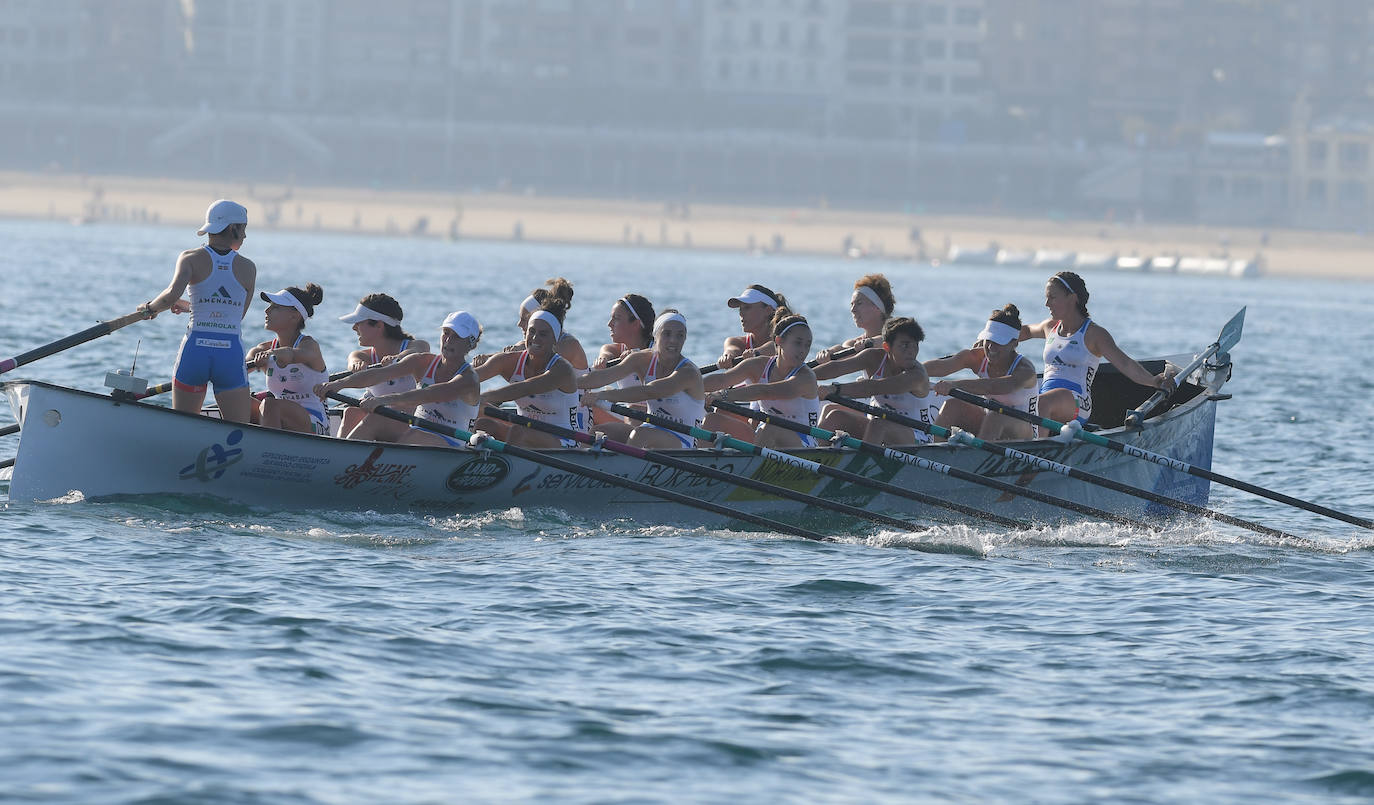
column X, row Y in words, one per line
column 1229, row 337
column 816, row 468
column 655, row 457
column 484, row 442
column 963, row 437
column 88, row 334
column 1163, row 461
column 812, row 364
column 925, row 463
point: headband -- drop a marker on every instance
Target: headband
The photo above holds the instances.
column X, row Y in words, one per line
column 548, row 318
column 631, row 308
column 999, row 333
column 871, row 295
column 667, row 317
column 788, row 327
column 1066, row 285
column 530, row 304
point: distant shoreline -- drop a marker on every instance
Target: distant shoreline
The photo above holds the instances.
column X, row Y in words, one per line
column 716, row 227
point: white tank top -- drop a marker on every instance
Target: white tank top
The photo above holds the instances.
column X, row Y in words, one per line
column 921, row 408
column 395, row 385
column 454, row 413
column 806, row 410
column 557, row 407
column 1019, row 399
column 217, row 301
column 296, row 382
column 1067, row 358
column 679, row 407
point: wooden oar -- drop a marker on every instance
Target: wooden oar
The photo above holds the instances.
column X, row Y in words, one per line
column 925, row 463
column 814, row 467
column 963, row 437
column 1229, row 337
column 839, row 353
column 88, row 334
column 1163, row 461
column 655, row 457
column 484, row 442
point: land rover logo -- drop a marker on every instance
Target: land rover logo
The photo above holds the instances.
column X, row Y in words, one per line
column 478, row 473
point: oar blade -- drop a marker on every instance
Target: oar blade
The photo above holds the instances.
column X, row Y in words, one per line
column 1230, row 334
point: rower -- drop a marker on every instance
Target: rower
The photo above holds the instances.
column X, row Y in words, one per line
column 294, row 371
column 871, row 305
column 1003, row 375
column 377, row 322
column 1074, row 345
column 896, row 380
column 443, row 388
column 671, row 385
column 542, row 383
column 568, row 346
column 631, row 325
column 221, row 283
column 782, row 385
column 757, row 306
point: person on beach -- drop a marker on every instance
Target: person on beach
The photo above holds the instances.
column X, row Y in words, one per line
column 1003, row 375
column 1074, row 345
column 377, row 322
column 895, row 379
column 871, row 305
column 781, row 385
column 441, row 388
column 668, row 382
column 220, row 281
column 294, row 371
column 542, row 383
column 568, row 346
column 631, row 325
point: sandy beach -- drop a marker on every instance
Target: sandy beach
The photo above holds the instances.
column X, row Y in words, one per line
column 654, row 224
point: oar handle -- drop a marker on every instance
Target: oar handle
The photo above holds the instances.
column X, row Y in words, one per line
column 811, row 364
column 88, row 334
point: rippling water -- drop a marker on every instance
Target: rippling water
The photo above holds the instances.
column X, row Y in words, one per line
column 184, row 651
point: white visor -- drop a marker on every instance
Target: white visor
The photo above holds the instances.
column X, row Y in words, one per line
column 998, row 333
column 752, row 296
column 286, row 299
column 363, row 313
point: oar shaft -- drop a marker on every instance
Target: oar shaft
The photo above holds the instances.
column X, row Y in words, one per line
column 1165, row 461
column 839, row 353
column 535, row 457
column 655, row 457
column 9, row 429
column 89, row 334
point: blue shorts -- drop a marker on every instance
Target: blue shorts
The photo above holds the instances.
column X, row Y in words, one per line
column 210, row 359
column 1084, row 406
column 685, row 441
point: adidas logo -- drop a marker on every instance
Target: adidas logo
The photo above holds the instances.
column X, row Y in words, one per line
column 221, row 293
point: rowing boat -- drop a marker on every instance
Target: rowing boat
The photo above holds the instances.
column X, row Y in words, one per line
column 101, row 446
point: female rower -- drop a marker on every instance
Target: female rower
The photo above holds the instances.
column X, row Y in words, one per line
column 871, row 305
column 294, row 371
column 782, row 385
column 1074, row 345
column 631, row 326
column 671, row 385
column 377, row 321
column 757, row 306
column 541, row 382
column 895, row 380
column 443, row 388
column 1003, row 375
column 568, row 346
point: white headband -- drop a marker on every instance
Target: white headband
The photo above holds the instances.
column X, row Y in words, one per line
column 549, row 318
column 631, row 308
column 788, row 327
column 667, row 317
column 999, row 333
column 530, row 304
column 871, row 295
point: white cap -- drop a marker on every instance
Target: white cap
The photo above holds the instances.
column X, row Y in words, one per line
column 286, row 299
column 752, row 295
column 364, row 313
column 221, row 214
column 463, row 324
column 998, row 333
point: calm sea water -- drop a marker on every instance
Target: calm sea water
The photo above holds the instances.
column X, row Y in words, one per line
column 168, row 652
